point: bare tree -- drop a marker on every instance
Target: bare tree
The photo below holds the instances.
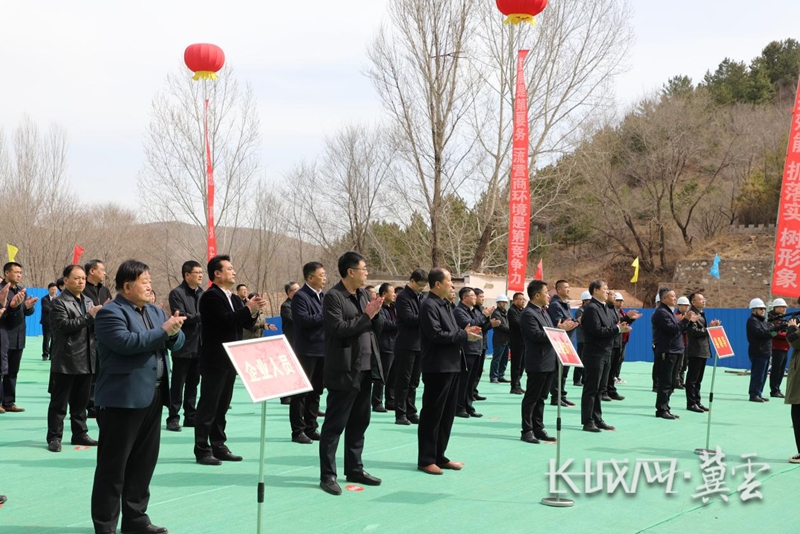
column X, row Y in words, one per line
column 419, row 71
column 173, row 180
column 575, row 53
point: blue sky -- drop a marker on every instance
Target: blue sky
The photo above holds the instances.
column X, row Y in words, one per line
column 93, row 67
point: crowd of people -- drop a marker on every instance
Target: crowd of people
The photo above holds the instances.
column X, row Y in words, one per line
column 369, row 347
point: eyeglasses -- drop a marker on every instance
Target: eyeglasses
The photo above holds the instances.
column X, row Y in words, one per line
column 360, row 269
column 197, row 272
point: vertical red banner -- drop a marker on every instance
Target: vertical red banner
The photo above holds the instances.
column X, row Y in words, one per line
column 77, row 252
column 519, row 219
column 212, row 232
column 786, row 270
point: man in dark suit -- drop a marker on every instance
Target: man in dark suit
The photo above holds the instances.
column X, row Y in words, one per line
column 47, row 304
column 515, row 343
column 386, row 342
column 11, row 315
column 184, row 299
column 467, row 314
column 668, row 329
column 222, row 318
column 407, row 349
column 132, row 387
column 287, row 323
column 541, row 361
column 73, row 360
column 13, row 338
column 442, row 362
column 309, row 345
column 351, row 320
column 560, row 312
column 98, row 293
column 600, row 327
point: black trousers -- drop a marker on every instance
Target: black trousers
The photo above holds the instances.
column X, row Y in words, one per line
column 387, row 362
column 609, row 387
column 577, row 374
column 407, row 381
column 72, row 390
column 183, row 389
column 47, row 340
column 481, row 364
column 656, row 369
column 467, row 382
column 778, row 370
column 796, row 424
column 126, row 458
column 216, row 392
column 517, row 364
column 10, row 379
column 345, row 411
column 554, row 384
column 593, row 378
column 666, row 380
column 304, row 407
column 694, row 377
column 681, row 364
column 536, row 390
column 436, row 418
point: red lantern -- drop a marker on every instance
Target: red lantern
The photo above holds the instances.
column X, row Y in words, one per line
column 517, row 11
column 204, row 60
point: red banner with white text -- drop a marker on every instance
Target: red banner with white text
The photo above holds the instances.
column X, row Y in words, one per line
column 786, row 270
column 519, row 218
column 212, row 232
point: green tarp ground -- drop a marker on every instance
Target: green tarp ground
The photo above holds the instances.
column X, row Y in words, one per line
column 499, row 490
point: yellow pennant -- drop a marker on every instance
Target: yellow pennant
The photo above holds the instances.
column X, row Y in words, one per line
column 12, row 252
column 635, row 266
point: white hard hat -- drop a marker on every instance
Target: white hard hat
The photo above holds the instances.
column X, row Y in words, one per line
column 618, row 296
column 501, row 298
column 683, row 301
column 757, row 303
column 586, row 296
column 778, row 302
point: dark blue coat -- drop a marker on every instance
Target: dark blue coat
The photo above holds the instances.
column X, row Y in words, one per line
column 309, row 333
column 127, row 354
column 540, row 357
column 668, row 331
column 408, row 334
column 759, row 336
column 466, row 317
column 441, row 337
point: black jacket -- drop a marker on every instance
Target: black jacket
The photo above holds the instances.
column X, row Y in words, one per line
column 14, row 336
column 71, row 323
column 388, row 335
column 759, row 336
column 599, row 331
column 309, row 334
column 514, row 333
column 539, row 354
column 47, row 305
column 220, row 324
column 408, row 334
column 466, row 317
column 287, row 324
column 502, row 334
column 344, row 323
column 98, row 294
column 441, row 337
column 668, row 331
column 185, row 299
column 697, row 337
column 559, row 311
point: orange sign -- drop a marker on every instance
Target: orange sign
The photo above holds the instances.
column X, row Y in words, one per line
column 268, row 367
column 563, row 347
column 720, row 341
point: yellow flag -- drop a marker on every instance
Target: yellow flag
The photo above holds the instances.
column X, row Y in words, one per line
column 12, row 252
column 635, row 266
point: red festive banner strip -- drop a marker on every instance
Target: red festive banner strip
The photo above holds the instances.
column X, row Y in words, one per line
column 212, row 232
column 520, row 206
column 786, row 270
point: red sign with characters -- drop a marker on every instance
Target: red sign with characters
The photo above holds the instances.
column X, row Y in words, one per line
column 519, row 213
column 268, row 367
column 563, row 347
column 786, row 270
column 721, row 342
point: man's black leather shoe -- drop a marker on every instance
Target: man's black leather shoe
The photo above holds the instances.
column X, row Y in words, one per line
column 603, row 426
column 362, row 477
column 544, row 436
column 695, row 408
column 302, row 438
column 149, row 529
column 528, row 437
column 84, row 440
column 227, row 456
column 208, row 460
column 330, row 486
column 413, row 419
column 590, row 427
column 313, row 435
